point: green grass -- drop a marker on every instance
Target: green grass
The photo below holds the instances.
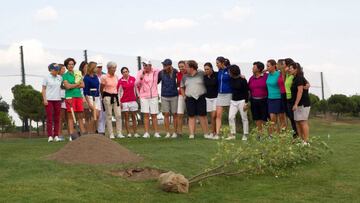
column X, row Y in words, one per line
column 26, row 177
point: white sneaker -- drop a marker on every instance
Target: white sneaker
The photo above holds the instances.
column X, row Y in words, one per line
column 120, row 135
column 137, row 135
column 146, row 135
column 50, row 139
column 211, row 135
column 215, row 137
column 70, row 139
column 168, row 135
column 305, row 144
column 191, row 136
column 174, row 135
column 112, row 136
column 57, row 139
column 207, row 136
column 231, row 137
column 157, row 135
column 244, row 138
column 129, row 135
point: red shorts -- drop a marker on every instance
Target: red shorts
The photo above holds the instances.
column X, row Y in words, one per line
column 75, row 103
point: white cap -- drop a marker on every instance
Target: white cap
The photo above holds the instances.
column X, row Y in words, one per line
column 145, row 61
column 99, row 64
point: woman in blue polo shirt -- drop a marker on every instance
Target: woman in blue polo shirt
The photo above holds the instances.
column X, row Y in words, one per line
column 224, row 91
column 91, row 92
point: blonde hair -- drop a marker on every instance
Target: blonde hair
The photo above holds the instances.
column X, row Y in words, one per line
column 91, row 68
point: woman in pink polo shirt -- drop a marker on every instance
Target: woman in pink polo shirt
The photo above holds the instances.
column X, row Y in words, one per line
column 258, row 95
column 146, row 82
column 127, row 90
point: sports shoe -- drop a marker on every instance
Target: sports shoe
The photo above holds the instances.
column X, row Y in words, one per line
column 231, row 137
column 56, row 139
column 137, row 135
column 70, row 138
column 208, row 136
column 191, row 136
column 157, row 135
column 215, row 137
column 168, row 135
column 146, row 135
column 174, row 135
column 120, row 135
column 61, row 138
column 112, row 136
column 129, row 135
column 50, row 139
column 244, row 138
column 305, row 144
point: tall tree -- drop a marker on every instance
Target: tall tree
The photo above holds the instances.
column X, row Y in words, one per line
column 340, row 104
column 4, row 107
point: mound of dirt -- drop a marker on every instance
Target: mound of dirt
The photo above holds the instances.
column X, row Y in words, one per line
column 94, row 149
column 138, row 174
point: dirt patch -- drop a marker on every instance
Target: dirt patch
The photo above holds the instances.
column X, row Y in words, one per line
column 138, row 174
column 94, row 149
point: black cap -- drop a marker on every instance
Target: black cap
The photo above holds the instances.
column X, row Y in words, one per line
column 167, row 62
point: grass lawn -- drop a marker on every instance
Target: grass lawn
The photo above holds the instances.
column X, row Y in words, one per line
column 26, row 177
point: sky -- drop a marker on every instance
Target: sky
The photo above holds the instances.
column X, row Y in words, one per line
column 323, row 36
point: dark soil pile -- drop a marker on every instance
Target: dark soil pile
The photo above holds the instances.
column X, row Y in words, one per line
column 94, row 149
column 138, row 174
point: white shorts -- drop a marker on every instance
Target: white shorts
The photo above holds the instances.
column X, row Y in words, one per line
column 97, row 102
column 302, row 113
column 181, row 105
column 210, row 104
column 150, row 105
column 130, row 106
column 223, row 99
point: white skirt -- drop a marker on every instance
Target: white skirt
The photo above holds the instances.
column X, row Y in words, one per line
column 223, row 99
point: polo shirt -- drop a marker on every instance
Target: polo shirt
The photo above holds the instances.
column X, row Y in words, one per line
column 74, row 92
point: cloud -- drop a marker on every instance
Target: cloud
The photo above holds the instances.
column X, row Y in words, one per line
column 170, row 24
column 46, row 14
column 237, row 13
column 203, row 51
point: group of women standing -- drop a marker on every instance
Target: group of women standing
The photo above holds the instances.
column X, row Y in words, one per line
column 270, row 94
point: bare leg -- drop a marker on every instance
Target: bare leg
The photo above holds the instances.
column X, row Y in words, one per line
column 146, row 122
column 259, row 125
column 154, row 122
column 180, row 123
column 213, row 121
column 282, row 119
column 126, row 114
column 192, row 121
column 299, row 129
column 133, row 119
column 305, row 130
column 272, row 124
column 204, row 124
column 80, row 118
column 166, row 122
column 175, row 122
column 219, row 111
column 70, row 123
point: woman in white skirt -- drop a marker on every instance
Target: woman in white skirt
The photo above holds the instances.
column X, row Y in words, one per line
column 224, row 91
column 211, row 84
column 92, row 93
column 301, row 101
